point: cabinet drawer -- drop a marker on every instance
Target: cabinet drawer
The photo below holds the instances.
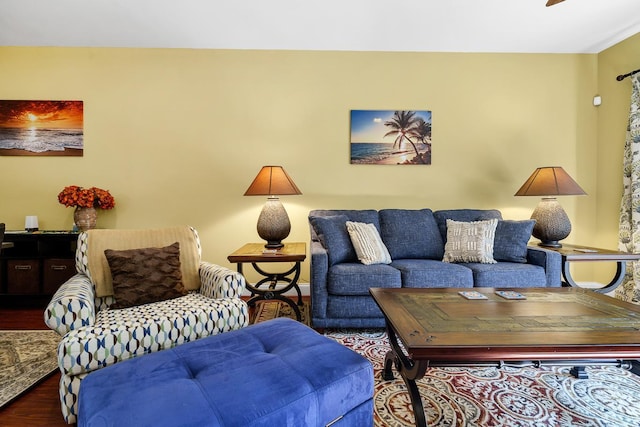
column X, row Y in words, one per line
column 23, row 277
column 56, row 272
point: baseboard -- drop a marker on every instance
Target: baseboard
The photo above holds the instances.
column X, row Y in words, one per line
column 305, row 289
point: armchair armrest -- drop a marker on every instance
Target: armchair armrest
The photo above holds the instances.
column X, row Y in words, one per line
column 72, row 306
column 220, row 282
column 548, row 259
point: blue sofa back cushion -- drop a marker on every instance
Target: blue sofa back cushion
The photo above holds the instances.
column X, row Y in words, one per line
column 463, row 215
column 332, row 232
column 330, row 227
column 511, row 239
column 409, row 234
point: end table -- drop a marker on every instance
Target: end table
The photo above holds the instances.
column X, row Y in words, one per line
column 255, row 253
column 575, row 253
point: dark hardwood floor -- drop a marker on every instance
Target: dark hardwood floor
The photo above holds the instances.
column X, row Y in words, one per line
column 39, row 406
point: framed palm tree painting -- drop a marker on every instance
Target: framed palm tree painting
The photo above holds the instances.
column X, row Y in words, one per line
column 390, row 137
column 41, row 128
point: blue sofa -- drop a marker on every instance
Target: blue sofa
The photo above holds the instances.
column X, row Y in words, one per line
column 415, row 240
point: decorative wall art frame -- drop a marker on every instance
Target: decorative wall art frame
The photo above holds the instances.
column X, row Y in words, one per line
column 388, row 137
column 41, row 128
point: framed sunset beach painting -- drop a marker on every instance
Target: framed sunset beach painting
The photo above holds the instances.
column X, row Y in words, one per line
column 41, row 128
column 390, row 137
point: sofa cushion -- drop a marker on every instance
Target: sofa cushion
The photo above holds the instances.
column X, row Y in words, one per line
column 411, row 234
column 428, row 273
column 507, row 275
column 367, row 243
column 511, row 240
column 470, row 241
column 145, row 275
column 356, row 278
column 463, row 215
column 332, row 232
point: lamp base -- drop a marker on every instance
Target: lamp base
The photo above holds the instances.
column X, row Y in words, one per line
column 274, row 245
column 551, row 244
column 273, row 223
column 552, row 223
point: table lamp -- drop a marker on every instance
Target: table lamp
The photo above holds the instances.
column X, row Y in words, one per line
column 273, row 222
column 552, row 222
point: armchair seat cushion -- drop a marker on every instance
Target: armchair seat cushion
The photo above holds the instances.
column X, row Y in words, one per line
column 122, row 334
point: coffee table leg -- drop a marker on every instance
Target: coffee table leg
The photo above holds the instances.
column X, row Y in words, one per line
column 409, row 370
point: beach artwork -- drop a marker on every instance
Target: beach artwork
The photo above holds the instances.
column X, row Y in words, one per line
column 388, row 137
column 41, row 128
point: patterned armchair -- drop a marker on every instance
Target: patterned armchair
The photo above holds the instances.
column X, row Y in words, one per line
column 95, row 335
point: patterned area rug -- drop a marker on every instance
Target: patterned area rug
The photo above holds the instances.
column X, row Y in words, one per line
column 266, row 310
column 547, row 396
column 509, row 397
column 26, row 357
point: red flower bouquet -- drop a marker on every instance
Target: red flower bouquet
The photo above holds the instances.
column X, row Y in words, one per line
column 74, row 196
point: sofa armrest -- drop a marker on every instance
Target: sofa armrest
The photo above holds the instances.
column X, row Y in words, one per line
column 220, row 282
column 318, row 281
column 72, row 306
column 548, row 259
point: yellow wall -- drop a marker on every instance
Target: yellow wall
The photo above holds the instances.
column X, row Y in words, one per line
column 178, row 135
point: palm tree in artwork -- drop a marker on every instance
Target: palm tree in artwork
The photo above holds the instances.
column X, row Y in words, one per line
column 403, row 125
column 422, row 133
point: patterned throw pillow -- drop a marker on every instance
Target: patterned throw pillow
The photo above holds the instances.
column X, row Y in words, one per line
column 146, row 275
column 367, row 242
column 470, row 241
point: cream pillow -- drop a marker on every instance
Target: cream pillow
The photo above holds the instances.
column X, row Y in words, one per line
column 470, row 241
column 367, row 242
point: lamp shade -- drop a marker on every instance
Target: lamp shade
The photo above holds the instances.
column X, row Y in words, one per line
column 550, row 181
column 552, row 223
column 272, row 181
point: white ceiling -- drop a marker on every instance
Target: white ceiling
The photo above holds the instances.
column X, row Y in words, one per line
column 573, row 26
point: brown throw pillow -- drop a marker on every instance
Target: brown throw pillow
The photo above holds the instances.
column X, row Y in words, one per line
column 142, row 276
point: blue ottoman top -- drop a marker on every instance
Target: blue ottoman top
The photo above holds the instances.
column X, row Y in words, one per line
column 275, row 373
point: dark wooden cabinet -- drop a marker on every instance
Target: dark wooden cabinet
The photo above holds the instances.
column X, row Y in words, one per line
column 36, row 264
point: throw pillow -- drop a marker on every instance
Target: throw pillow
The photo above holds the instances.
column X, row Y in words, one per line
column 367, row 242
column 511, row 240
column 146, row 275
column 332, row 232
column 470, row 241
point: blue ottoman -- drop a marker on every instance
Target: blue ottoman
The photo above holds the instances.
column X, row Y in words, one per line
column 276, row 373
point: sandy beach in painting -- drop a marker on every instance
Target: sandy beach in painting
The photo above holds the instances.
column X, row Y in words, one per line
column 67, row 152
column 383, row 154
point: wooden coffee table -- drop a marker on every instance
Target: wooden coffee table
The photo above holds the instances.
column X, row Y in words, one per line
column 439, row 327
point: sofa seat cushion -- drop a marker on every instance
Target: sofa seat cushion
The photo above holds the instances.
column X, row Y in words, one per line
column 352, row 307
column 126, row 333
column 275, row 373
column 356, row 278
column 427, row 273
column 507, row 275
column 411, row 234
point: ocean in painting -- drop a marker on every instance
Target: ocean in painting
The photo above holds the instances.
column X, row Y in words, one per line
column 376, row 152
column 40, row 140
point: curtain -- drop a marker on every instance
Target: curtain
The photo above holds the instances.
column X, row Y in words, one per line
column 629, row 232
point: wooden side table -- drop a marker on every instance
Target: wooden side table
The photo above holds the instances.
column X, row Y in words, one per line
column 255, row 253
column 575, row 253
